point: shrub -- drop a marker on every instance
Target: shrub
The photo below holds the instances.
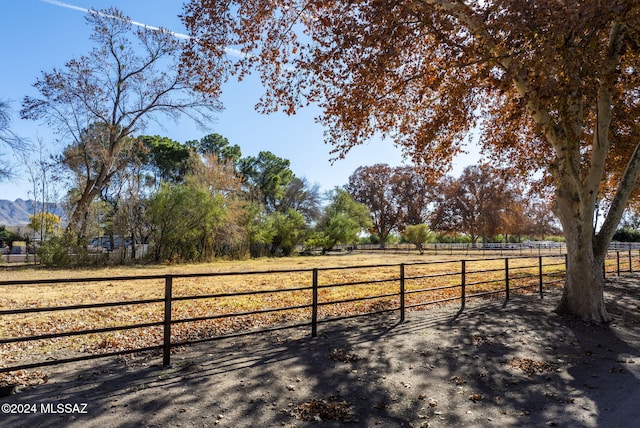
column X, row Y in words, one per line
column 62, row 251
column 627, row 234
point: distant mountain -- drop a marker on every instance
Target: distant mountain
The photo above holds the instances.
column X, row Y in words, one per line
column 17, row 213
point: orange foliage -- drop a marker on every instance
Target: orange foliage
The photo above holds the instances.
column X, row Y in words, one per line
column 554, row 86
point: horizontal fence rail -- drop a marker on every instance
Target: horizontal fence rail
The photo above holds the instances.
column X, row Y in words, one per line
column 181, row 309
column 531, row 248
column 460, row 249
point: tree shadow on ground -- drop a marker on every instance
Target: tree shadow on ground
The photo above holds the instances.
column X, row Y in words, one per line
column 520, row 364
column 517, row 364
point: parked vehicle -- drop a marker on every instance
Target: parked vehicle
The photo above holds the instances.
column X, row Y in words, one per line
column 105, row 243
column 19, row 247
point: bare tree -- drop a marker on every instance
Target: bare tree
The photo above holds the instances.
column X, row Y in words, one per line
column 41, row 170
column 117, row 89
column 303, row 197
column 7, row 137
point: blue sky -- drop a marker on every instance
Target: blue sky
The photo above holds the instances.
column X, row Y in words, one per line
column 38, row 35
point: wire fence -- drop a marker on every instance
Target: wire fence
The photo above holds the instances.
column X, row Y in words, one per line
column 165, row 312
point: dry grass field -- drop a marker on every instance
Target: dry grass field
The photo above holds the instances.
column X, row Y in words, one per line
column 442, row 278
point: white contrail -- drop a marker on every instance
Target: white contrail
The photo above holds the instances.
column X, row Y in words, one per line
column 230, row 51
column 68, row 6
column 138, row 24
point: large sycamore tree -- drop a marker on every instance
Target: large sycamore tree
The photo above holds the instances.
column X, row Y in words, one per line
column 130, row 77
column 552, row 84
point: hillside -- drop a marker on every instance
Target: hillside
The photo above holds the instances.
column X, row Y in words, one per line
column 17, row 213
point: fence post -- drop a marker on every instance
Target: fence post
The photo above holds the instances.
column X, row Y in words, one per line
column 630, row 262
column 168, row 296
column 463, row 284
column 506, row 276
column 402, row 295
column 540, row 275
column 618, row 262
column 314, row 304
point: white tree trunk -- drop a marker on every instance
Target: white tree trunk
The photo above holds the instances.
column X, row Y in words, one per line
column 583, row 294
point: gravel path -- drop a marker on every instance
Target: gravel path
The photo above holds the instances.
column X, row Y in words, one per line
column 498, row 365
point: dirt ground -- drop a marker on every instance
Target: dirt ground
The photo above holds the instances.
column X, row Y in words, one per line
column 499, row 365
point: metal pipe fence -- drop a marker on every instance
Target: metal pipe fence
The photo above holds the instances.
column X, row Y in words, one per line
column 315, row 297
